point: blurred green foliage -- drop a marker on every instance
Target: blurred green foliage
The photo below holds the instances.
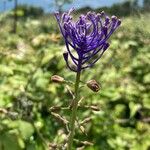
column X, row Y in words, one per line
column 30, row 57
column 29, row 11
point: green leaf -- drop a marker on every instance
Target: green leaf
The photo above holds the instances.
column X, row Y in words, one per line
column 25, row 128
column 5, row 70
column 9, row 142
column 134, row 108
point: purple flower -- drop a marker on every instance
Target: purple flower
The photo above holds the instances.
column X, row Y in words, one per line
column 87, row 38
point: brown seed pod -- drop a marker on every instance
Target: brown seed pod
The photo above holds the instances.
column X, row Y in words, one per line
column 95, row 108
column 87, row 143
column 59, row 118
column 55, row 108
column 52, row 146
column 4, row 111
column 86, row 120
column 93, row 85
column 57, row 79
column 81, row 148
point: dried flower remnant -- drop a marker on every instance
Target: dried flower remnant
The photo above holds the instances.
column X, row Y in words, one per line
column 87, row 37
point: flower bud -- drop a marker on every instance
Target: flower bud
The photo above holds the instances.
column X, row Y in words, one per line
column 93, row 85
column 57, row 79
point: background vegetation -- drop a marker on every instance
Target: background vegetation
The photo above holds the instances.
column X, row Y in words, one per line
column 31, row 56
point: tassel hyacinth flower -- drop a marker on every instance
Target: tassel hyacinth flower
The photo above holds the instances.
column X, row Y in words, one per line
column 86, row 41
column 87, row 37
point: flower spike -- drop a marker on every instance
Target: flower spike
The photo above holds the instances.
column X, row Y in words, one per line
column 87, row 37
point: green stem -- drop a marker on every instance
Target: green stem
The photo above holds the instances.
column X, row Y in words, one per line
column 74, row 112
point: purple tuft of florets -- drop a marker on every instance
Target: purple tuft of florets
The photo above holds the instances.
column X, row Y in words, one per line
column 87, row 37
